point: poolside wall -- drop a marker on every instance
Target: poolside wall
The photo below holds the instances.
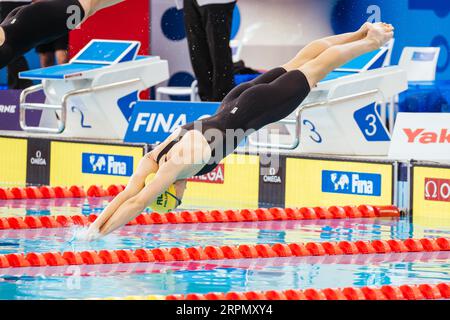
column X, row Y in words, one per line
column 241, row 181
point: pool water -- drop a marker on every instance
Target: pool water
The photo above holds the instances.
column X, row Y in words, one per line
column 76, row 282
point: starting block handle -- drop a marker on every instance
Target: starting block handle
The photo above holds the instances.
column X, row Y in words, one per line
column 283, row 146
column 24, row 106
column 298, row 118
column 41, row 106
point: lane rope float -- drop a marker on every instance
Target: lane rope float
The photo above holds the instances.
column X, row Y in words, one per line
column 244, row 215
column 227, row 252
column 47, row 192
column 386, row 292
column 156, row 267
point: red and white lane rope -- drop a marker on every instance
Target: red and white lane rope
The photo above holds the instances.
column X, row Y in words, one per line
column 47, row 192
column 243, row 264
column 387, row 292
column 245, row 251
column 272, row 214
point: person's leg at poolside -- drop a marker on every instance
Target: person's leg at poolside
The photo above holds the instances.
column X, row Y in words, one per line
column 20, row 63
column 47, row 59
column 32, row 24
column 61, row 47
column 14, row 68
column 46, row 54
column 198, row 49
column 218, row 20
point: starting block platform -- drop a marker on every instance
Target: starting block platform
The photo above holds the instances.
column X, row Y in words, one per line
column 344, row 114
column 93, row 95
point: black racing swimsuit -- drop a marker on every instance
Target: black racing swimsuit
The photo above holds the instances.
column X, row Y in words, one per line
column 247, row 108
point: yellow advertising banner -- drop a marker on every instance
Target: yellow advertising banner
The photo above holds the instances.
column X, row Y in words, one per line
column 431, row 195
column 13, row 159
column 86, row 164
column 314, row 182
column 233, row 184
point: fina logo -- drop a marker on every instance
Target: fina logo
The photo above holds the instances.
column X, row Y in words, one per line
column 154, row 122
column 107, row 164
column 363, row 184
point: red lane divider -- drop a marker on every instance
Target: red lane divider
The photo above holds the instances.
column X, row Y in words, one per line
column 334, row 212
column 46, row 192
column 223, row 252
column 387, row 292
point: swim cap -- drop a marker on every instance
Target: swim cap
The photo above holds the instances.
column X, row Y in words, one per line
column 167, row 201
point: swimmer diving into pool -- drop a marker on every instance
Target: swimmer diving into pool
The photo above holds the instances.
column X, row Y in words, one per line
column 197, row 148
column 44, row 21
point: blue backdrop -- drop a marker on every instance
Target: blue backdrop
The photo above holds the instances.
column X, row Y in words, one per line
column 417, row 23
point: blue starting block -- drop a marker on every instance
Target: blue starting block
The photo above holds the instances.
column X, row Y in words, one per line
column 92, row 96
column 369, row 61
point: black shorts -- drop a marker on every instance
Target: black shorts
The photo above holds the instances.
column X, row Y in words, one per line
column 58, row 44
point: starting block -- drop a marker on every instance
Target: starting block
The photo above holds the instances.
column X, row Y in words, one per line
column 340, row 116
column 93, row 95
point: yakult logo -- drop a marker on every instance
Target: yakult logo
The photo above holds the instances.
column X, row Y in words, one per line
column 437, row 189
column 427, row 137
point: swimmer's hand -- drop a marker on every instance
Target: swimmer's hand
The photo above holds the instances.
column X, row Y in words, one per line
column 93, row 233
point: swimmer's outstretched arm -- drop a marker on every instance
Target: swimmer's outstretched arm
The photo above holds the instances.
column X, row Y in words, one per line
column 187, row 157
column 167, row 174
column 136, row 183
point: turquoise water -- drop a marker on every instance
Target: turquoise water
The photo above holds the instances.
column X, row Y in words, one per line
column 76, row 282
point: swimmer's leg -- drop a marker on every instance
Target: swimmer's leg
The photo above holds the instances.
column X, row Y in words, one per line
column 335, row 56
column 315, row 48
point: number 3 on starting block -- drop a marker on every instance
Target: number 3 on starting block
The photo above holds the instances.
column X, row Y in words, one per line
column 370, row 124
column 314, row 134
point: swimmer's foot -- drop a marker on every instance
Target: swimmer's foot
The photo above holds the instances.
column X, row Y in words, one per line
column 380, row 33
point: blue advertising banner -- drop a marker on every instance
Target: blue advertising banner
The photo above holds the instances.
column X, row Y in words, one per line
column 153, row 121
column 9, row 110
column 356, row 183
column 107, row 164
